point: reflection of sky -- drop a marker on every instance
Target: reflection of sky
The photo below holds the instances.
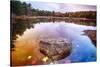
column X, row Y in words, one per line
column 61, row 7
column 83, row 49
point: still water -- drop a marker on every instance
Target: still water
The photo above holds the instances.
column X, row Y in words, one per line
column 83, row 48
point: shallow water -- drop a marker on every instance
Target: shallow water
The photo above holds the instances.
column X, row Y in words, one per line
column 83, row 49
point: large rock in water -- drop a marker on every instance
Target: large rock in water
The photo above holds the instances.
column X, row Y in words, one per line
column 55, row 49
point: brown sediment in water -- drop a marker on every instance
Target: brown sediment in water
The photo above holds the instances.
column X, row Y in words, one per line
column 92, row 35
column 26, row 53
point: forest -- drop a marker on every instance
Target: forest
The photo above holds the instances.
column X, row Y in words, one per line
column 19, row 8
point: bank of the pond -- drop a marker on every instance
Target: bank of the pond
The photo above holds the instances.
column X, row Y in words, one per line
column 92, row 35
column 35, row 19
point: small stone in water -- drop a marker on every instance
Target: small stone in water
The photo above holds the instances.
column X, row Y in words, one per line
column 29, row 57
column 45, row 59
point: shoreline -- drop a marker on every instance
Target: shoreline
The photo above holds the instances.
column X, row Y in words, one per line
column 92, row 35
column 80, row 21
column 50, row 17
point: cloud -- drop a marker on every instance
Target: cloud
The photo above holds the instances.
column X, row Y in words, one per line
column 61, row 7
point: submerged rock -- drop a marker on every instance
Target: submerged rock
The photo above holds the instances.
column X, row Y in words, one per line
column 55, row 49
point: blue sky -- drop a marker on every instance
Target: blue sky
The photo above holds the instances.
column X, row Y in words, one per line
column 61, row 7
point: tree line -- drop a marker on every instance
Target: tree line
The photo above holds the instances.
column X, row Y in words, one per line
column 19, row 8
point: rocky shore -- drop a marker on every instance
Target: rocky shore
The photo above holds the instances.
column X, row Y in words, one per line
column 92, row 35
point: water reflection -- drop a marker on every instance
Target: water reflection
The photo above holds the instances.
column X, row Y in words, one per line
column 18, row 26
column 83, row 48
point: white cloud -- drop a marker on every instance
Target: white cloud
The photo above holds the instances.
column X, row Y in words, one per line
column 61, row 7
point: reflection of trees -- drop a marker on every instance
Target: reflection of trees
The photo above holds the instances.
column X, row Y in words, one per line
column 18, row 27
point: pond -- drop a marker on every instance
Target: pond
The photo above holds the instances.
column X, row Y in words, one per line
column 83, row 49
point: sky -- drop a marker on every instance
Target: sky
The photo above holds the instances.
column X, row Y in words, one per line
column 61, row 7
